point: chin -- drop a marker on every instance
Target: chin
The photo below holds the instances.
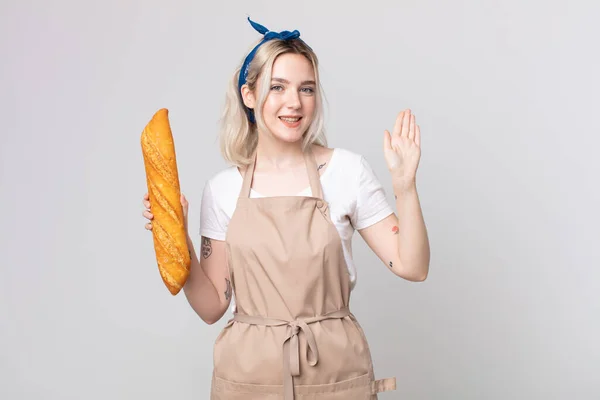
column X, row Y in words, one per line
column 289, row 135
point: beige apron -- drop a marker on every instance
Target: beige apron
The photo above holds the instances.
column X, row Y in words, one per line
column 292, row 336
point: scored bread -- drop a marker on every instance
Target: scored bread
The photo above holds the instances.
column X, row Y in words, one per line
column 162, row 179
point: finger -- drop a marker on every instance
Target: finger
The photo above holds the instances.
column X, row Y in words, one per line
column 147, row 214
column 405, row 124
column 418, row 136
column 148, row 226
column 398, row 124
column 387, row 140
column 184, row 206
column 411, row 129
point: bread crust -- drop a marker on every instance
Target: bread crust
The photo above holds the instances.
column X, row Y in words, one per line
column 162, row 179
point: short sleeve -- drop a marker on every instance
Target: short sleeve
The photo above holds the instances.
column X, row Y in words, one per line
column 213, row 219
column 371, row 203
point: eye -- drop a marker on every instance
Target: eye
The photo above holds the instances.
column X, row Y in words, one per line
column 308, row 90
column 277, row 87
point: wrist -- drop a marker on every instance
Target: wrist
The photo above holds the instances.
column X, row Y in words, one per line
column 403, row 185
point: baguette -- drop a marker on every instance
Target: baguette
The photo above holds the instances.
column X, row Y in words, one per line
column 168, row 230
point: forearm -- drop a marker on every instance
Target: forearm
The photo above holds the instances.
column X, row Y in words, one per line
column 413, row 242
column 201, row 292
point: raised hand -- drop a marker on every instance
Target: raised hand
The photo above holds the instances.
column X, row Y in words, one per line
column 402, row 148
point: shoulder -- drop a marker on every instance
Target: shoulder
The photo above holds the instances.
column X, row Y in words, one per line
column 354, row 170
column 225, row 177
column 336, row 155
column 218, row 202
column 224, row 183
column 348, row 157
column 344, row 174
column 346, row 163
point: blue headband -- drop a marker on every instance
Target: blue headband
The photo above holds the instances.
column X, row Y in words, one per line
column 268, row 35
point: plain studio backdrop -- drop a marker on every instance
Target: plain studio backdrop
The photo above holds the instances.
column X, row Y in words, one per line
column 506, row 94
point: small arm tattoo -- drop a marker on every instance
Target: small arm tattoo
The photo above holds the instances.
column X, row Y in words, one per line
column 391, row 265
column 227, row 289
column 395, row 230
column 206, row 247
column 321, row 166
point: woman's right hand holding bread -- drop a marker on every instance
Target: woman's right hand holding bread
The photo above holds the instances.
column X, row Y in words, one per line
column 208, row 287
column 148, row 214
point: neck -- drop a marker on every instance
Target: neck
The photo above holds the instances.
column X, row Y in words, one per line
column 272, row 153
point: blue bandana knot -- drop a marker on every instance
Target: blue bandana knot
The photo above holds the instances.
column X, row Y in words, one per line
column 283, row 35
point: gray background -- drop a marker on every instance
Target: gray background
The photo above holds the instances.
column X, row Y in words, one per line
column 506, row 94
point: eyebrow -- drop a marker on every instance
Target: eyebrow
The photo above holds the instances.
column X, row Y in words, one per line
column 286, row 81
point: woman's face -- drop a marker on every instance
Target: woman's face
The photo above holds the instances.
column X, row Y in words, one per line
column 290, row 104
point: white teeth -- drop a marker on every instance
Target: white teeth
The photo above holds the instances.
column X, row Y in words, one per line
column 289, row 119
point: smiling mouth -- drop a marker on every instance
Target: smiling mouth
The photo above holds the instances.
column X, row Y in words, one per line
column 290, row 120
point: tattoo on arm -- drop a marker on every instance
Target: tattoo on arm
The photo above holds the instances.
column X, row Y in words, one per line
column 321, row 166
column 206, row 247
column 227, row 289
column 391, row 265
column 395, row 230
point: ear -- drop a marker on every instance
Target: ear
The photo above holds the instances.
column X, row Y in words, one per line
column 248, row 96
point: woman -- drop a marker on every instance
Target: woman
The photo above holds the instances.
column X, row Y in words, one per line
column 276, row 231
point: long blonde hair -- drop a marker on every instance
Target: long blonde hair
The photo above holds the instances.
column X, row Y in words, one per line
column 237, row 136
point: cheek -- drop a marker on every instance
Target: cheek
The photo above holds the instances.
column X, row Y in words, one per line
column 271, row 107
column 309, row 106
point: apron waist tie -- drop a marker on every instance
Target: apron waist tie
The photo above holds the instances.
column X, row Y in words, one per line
column 291, row 348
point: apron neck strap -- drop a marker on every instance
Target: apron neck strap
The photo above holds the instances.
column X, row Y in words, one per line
column 247, row 185
column 311, row 166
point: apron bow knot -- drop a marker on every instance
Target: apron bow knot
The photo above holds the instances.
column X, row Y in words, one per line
column 292, row 347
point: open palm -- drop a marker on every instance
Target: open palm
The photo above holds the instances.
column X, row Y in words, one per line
column 402, row 148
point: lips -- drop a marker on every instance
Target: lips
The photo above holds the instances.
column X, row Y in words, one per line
column 290, row 120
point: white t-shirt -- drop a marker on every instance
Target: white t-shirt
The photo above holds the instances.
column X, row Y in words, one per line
column 356, row 200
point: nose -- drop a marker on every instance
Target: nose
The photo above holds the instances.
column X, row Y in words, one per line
column 293, row 100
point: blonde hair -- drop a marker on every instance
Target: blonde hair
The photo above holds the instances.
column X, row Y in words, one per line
column 238, row 137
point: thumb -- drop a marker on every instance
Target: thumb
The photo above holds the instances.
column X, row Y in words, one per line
column 387, row 140
column 184, row 204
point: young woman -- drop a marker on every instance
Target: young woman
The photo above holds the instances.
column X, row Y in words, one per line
column 276, row 232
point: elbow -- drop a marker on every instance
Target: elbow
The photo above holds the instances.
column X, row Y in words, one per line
column 414, row 277
column 422, row 275
column 210, row 321
column 208, row 318
column 418, row 274
column 212, row 317
column 420, row 278
column 420, row 271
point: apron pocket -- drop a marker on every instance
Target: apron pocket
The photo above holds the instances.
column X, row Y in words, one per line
column 359, row 388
